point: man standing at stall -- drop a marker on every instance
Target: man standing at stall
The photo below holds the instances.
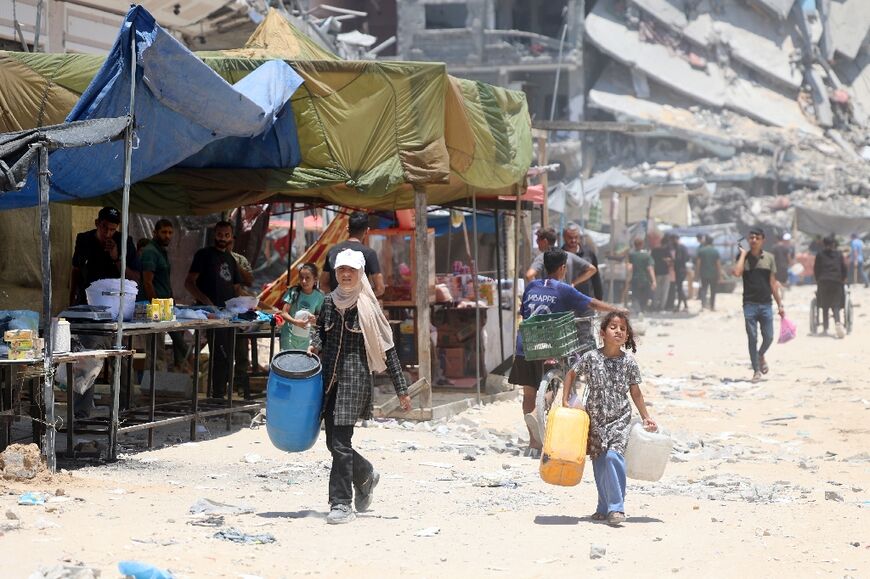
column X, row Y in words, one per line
column 357, row 230
column 213, row 279
column 157, row 282
column 97, row 255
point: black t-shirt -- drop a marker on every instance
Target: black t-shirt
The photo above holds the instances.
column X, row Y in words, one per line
column 94, row 262
column 373, row 266
column 660, row 256
column 756, row 278
column 218, row 274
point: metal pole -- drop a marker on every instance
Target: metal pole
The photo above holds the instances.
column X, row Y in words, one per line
column 498, row 272
column 476, row 283
column 558, row 70
column 125, row 218
column 48, row 349
column 421, row 284
column 515, row 281
column 290, row 241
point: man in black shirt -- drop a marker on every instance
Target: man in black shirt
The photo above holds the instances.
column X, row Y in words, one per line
column 758, row 269
column 97, row 255
column 357, row 229
column 213, row 279
column 662, row 262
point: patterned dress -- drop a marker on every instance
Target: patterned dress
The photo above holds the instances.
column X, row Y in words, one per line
column 339, row 338
column 607, row 399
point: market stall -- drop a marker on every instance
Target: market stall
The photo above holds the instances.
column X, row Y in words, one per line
column 387, row 135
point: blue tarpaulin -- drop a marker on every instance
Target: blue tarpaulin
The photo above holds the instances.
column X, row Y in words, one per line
column 185, row 114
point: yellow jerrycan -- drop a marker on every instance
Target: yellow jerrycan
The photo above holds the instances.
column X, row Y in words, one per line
column 564, row 453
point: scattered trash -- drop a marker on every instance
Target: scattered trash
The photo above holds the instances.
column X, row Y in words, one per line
column 779, row 419
column 597, row 551
column 237, row 536
column 252, row 458
column 21, row 462
column 428, row 532
column 208, row 521
column 833, row 496
column 43, row 524
column 11, row 516
column 139, row 570
column 258, row 420
column 494, row 480
column 63, row 571
column 210, row 507
column 32, row 498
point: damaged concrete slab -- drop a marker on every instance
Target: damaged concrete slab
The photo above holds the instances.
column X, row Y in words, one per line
column 849, row 25
column 778, row 8
column 722, row 134
column 763, row 44
column 709, row 85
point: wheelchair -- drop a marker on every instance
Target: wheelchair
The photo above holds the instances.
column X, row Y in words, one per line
column 816, row 314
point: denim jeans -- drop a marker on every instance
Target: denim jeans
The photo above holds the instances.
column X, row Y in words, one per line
column 609, row 469
column 758, row 315
column 349, row 468
column 857, row 273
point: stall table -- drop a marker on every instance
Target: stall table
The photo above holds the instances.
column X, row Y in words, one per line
column 154, row 415
column 47, row 417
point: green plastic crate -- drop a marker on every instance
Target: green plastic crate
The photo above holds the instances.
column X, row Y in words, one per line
column 549, row 336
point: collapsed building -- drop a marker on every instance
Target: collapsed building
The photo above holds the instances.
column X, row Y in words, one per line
column 755, row 97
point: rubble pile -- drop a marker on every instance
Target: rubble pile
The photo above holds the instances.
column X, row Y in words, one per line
column 758, row 102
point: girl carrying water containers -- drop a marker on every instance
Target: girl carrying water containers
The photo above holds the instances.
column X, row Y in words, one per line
column 302, row 303
column 354, row 339
column 611, row 374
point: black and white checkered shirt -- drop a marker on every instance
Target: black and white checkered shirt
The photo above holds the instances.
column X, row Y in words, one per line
column 339, row 339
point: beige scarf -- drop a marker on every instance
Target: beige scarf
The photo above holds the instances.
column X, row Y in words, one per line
column 377, row 335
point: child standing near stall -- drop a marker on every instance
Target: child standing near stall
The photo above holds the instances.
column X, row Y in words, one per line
column 302, row 304
column 611, row 374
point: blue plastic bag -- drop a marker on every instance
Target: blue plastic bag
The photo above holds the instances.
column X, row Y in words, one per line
column 139, row 570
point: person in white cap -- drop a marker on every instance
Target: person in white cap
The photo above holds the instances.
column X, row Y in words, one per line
column 353, row 339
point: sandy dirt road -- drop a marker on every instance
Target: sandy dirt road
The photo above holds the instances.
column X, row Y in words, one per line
column 767, row 480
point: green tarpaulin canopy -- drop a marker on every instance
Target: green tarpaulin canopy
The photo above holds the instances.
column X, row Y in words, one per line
column 369, row 131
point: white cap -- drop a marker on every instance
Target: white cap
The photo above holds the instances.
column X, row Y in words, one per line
column 350, row 258
column 786, row 236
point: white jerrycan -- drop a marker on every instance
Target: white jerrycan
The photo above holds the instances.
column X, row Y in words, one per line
column 647, row 453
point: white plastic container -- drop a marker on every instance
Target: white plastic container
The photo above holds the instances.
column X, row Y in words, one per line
column 60, row 334
column 106, row 292
column 647, row 453
column 302, row 332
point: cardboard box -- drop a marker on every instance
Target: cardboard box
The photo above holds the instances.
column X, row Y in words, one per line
column 454, row 362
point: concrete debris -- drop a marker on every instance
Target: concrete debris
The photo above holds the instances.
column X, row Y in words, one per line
column 729, row 488
column 66, row 572
column 597, row 551
column 21, row 462
column 210, row 507
column 428, row 532
column 833, row 496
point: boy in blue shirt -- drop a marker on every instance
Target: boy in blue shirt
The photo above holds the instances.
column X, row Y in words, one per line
column 549, row 296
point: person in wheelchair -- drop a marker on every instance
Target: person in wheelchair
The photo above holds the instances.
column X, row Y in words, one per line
column 831, row 272
column 548, row 296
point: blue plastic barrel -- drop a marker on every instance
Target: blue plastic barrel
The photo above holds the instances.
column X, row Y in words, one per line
column 294, row 396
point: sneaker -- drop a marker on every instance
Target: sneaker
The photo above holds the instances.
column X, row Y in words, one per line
column 615, row 518
column 534, row 430
column 363, row 499
column 340, row 514
column 841, row 331
column 756, row 378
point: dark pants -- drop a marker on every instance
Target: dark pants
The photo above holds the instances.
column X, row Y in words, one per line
column 830, row 295
column 712, row 283
column 349, row 468
column 676, row 295
column 220, row 348
column 641, row 295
